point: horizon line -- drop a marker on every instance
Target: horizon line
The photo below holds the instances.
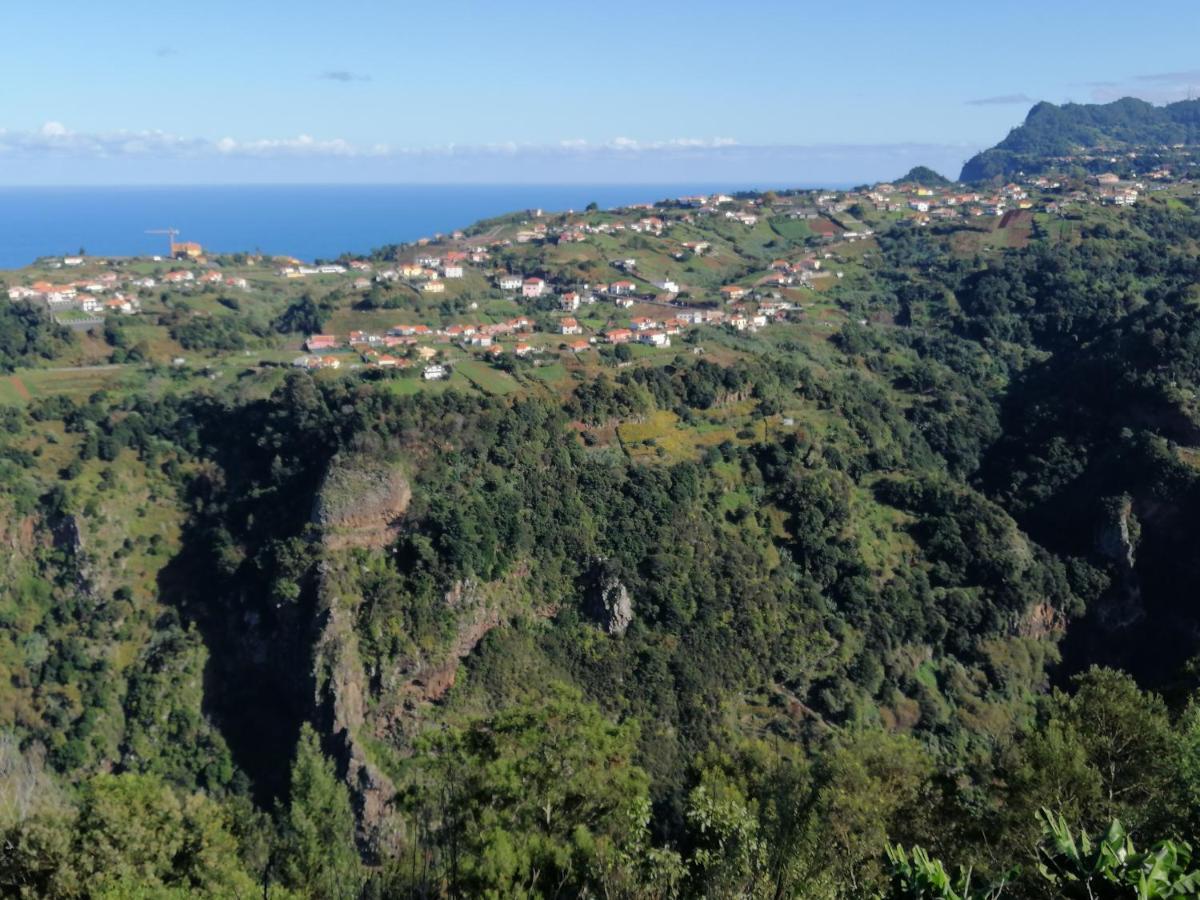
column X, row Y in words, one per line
column 431, row 184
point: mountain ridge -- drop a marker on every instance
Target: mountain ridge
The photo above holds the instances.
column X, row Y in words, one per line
column 1053, row 131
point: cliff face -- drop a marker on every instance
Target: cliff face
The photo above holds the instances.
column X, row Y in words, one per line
column 339, row 687
column 358, row 507
column 358, row 513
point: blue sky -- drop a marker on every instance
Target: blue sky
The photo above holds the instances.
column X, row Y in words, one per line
column 530, row 91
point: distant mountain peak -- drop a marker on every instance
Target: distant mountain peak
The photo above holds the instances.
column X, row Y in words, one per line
column 924, row 176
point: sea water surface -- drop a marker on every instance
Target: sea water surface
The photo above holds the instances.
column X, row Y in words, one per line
column 306, row 221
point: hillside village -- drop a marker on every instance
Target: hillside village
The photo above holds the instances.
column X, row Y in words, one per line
column 543, row 286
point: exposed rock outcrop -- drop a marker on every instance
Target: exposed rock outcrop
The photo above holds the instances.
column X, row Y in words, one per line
column 360, row 502
column 1116, row 540
column 1041, row 621
column 609, row 601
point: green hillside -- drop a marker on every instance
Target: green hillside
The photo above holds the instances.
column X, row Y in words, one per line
column 766, row 535
column 1052, row 132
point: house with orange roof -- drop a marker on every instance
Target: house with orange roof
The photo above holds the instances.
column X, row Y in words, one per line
column 317, row 342
column 570, row 326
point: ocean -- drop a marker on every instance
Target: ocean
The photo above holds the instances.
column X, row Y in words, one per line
column 307, row 221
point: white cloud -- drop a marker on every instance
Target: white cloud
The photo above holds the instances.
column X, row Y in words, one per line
column 54, row 138
column 128, row 157
column 1003, row 100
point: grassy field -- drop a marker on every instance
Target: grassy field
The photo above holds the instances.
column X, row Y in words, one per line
column 487, row 378
column 790, row 229
column 662, row 435
column 31, row 384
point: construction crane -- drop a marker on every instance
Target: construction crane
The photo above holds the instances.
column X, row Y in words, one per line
column 171, row 234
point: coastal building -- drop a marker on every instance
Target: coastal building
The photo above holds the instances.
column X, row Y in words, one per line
column 186, row 250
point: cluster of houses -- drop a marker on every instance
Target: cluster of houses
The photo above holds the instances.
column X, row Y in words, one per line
column 409, row 335
column 184, row 277
column 924, row 203
column 109, row 292
column 96, row 296
column 371, row 359
column 303, row 271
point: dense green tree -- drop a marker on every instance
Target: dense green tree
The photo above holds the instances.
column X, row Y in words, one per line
column 317, row 855
column 541, row 801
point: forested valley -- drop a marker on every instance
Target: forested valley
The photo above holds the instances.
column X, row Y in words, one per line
column 929, row 607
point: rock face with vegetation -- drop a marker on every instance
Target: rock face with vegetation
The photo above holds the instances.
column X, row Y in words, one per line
column 360, row 501
column 751, row 616
column 609, row 602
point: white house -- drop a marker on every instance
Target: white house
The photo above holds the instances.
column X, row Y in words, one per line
column 533, row 287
